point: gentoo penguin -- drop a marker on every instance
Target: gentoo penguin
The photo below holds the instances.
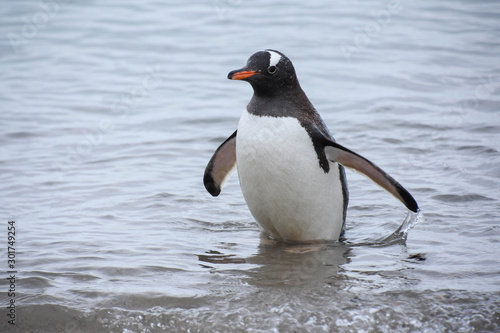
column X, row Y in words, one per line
column 289, row 166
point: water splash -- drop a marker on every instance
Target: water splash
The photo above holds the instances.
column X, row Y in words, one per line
column 401, row 233
column 398, row 236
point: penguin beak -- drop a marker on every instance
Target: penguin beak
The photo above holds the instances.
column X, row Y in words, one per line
column 240, row 74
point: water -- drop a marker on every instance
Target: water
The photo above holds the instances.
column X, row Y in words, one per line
column 111, row 110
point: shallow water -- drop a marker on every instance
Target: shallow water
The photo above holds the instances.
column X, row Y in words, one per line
column 110, row 112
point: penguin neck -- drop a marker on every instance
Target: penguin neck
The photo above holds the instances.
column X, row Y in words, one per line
column 289, row 102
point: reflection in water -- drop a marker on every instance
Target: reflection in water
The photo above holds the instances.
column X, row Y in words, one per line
column 278, row 263
column 298, row 264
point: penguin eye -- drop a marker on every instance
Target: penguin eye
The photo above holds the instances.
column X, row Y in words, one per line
column 271, row 69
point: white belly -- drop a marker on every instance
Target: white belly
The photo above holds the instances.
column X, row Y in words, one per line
column 287, row 192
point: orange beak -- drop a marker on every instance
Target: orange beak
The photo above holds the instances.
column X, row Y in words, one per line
column 240, row 75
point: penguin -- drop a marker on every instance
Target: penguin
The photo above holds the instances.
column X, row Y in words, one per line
column 290, row 168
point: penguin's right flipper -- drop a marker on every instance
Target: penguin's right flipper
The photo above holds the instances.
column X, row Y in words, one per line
column 348, row 158
column 221, row 165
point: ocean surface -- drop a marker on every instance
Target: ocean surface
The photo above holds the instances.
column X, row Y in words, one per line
column 110, row 111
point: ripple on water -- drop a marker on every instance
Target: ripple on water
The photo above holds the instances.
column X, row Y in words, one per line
column 34, row 282
column 436, row 311
column 461, row 198
column 478, row 149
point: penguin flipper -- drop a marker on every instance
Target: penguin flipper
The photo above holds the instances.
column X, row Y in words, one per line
column 220, row 166
column 337, row 153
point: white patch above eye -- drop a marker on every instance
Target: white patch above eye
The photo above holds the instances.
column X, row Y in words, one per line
column 275, row 58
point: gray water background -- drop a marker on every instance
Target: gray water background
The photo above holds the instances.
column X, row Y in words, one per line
column 110, row 111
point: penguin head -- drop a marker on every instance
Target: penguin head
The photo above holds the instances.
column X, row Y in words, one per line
column 268, row 72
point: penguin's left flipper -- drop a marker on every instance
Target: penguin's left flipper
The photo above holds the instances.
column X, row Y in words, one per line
column 220, row 166
column 337, row 153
